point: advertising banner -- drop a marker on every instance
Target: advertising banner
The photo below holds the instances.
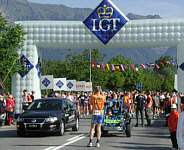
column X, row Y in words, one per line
column 80, row 85
column 88, row 87
column 71, row 85
column 46, row 82
column 60, row 84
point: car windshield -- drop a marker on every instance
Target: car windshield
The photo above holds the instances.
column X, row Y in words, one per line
column 43, row 105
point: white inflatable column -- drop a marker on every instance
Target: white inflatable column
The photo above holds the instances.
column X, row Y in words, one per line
column 31, row 81
column 180, row 60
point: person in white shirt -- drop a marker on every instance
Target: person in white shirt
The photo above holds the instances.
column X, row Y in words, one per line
column 180, row 126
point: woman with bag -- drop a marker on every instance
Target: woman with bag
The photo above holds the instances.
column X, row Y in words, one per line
column 10, row 105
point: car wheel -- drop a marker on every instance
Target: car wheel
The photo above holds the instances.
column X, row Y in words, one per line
column 76, row 126
column 20, row 133
column 128, row 130
column 61, row 129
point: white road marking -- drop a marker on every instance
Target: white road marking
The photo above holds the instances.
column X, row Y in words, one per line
column 50, row 148
column 71, row 140
column 75, row 137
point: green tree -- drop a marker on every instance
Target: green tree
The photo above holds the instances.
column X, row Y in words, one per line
column 11, row 38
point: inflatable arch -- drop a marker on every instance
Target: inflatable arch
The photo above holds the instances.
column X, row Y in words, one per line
column 74, row 34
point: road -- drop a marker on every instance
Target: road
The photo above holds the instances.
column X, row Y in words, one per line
column 143, row 138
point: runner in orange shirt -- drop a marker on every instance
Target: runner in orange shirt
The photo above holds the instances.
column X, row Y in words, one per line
column 97, row 101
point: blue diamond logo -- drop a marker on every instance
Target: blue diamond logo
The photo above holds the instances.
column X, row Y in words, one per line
column 69, row 85
column 105, row 21
column 26, row 66
column 46, row 82
column 59, row 84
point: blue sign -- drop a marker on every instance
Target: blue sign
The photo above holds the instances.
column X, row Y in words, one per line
column 105, row 21
column 139, row 86
column 59, row 84
column 46, row 82
column 70, row 85
column 26, row 66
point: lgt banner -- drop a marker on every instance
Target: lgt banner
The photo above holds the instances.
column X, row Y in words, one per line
column 60, row 84
column 71, row 85
column 105, row 21
column 46, row 82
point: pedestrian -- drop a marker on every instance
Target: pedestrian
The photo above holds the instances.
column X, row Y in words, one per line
column 139, row 103
column 33, row 95
column 180, row 126
column 172, row 124
column 97, row 101
column 148, row 106
column 10, row 105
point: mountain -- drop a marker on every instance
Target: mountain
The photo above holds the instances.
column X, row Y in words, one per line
column 22, row 10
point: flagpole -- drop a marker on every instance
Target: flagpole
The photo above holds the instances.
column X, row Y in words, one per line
column 90, row 65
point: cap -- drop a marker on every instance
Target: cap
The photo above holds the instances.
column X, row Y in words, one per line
column 173, row 106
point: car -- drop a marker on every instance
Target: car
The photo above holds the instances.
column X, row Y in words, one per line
column 48, row 115
column 116, row 117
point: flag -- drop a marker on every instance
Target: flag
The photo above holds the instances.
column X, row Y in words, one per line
column 152, row 65
column 125, row 66
column 148, row 65
column 158, row 66
column 173, row 63
column 93, row 65
column 132, row 66
column 103, row 66
column 143, row 66
column 122, row 67
column 117, row 68
column 98, row 65
column 168, row 62
column 136, row 69
column 108, row 67
column 162, row 63
column 112, row 67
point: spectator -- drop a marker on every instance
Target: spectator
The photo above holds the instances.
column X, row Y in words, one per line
column 33, row 95
column 172, row 124
column 10, row 105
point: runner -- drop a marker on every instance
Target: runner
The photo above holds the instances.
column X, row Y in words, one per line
column 97, row 101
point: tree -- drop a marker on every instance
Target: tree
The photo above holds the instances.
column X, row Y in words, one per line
column 11, row 39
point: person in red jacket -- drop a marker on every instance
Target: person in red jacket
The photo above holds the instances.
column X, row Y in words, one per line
column 172, row 124
column 10, row 105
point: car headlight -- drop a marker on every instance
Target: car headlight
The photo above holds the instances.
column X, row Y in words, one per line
column 20, row 119
column 51, row 119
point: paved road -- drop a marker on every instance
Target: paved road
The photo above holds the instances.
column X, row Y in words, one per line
column 144, row 138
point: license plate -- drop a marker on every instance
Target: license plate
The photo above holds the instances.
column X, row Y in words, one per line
column 33, row 126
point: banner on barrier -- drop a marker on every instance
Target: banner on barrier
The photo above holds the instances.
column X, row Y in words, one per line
column 60, row 84
column 71, row 85
column 88, row 87
column 80, row 85
column 46, row 82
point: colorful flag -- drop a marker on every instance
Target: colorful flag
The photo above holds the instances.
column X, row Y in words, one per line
column 122, row 67
column 143, row 66
column 132, row 66
column 148, row 65
column 108, row 67
column 126, row 66
column 162, row 63
column 152, row 65
column 168, row 62
column 117, row 67
column 112, row 67
column 93, row 65
column 103, row 66
column 97, row 65
column 158, row 66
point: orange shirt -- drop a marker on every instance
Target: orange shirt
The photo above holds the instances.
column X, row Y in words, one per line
column 149, row 105
column 173, row 121
column 97, row 101
column 126, row 100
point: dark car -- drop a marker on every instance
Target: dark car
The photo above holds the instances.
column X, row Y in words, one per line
column 48, row 115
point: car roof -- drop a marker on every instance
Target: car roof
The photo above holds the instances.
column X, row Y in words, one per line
column 51, row 98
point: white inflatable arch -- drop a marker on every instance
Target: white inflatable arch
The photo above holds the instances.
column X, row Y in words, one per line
column 74, row 34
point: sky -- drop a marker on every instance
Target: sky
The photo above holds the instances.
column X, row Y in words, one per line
column 164, row 8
